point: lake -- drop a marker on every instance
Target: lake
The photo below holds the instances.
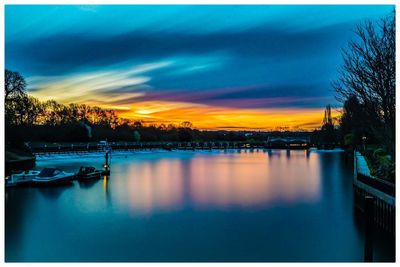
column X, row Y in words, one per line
column 235, row 205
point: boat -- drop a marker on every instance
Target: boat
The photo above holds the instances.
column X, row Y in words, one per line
column 49, row 176
column 19, row 178
column 86, row 173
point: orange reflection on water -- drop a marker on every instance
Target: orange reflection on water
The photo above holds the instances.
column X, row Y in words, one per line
column 248, row 179
column 222, row 180
column 155, row 185
column 105, row 184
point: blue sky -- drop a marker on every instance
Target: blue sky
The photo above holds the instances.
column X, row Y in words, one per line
column 232, row 57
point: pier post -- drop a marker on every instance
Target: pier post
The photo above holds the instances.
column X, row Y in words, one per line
column 106, row 165
column 369, row 224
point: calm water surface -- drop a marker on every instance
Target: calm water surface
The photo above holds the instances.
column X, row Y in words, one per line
column 271, row 205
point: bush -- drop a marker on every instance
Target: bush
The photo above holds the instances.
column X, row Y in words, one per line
column 349, row 140
column 385, row 169
column 378, row 153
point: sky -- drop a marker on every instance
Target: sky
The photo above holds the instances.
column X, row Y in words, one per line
column 219, row 67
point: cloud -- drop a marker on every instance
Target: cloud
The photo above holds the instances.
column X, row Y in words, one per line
column 256, row 96
column 67, row 51
column 101, row 87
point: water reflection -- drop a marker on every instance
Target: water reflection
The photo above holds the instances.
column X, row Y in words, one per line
column 252, row 179
column 205, row 206
column 106, row 189
column 156, row 185
column 247, row 179
column 54, row 192
column 87, row 184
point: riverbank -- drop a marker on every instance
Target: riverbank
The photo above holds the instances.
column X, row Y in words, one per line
column 18, row 159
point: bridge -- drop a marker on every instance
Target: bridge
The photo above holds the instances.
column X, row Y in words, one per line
column 301, row 142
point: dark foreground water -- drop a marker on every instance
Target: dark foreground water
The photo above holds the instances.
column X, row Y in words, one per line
column 194, row 206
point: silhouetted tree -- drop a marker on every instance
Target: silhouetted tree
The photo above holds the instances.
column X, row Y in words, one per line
column 328, row 135
column 352, row 122
column 368, row 74
column 15, row 85
column 185, row 134
column 186, row 124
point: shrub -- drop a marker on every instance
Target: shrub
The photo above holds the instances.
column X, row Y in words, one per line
column 349, row 140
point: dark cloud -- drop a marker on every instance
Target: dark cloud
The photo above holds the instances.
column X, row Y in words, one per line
column 67, row 52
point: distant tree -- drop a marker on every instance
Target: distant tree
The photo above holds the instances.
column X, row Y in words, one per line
column 137, row 124
column 185, row 135
column 186, row 124
column 53, row 112
column 171, row 127
column 328, row 128
column 32, row 110
column 15, row 85
column 368, row 74
column 282, row 128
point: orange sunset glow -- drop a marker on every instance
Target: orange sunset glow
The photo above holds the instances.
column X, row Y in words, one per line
column 142, row 103
column 210, row 118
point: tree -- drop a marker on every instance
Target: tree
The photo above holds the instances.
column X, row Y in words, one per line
column 138, row 124
column 53, row 112
column 328, row 128
column 185, row 135
column 368, row 74
column 30, row 109
column 14, row 85
column 352, row 120
column 186, row 124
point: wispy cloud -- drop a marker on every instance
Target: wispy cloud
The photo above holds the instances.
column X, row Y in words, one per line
column 99, row 86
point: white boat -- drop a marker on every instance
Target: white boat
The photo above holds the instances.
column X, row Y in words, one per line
column 17, row 178
column 50, row 176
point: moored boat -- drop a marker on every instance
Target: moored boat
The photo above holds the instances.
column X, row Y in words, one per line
column 88, row 173
column 19, row 178
column 49, row 176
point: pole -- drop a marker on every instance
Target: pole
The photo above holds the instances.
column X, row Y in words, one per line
column 369, row 224
column 106, row 166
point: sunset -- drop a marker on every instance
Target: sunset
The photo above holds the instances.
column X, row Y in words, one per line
column 199, row 133
column 254, row 67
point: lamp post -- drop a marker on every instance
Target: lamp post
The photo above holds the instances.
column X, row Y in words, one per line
column 364, row 138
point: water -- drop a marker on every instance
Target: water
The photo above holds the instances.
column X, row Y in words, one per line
column 194, row 206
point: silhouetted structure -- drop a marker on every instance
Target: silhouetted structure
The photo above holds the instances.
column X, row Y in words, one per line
column 291, row 142
column 327, row 133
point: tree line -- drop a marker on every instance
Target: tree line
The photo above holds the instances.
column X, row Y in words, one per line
column 29, row 119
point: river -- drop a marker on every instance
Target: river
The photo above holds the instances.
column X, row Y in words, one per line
column 235, row 205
